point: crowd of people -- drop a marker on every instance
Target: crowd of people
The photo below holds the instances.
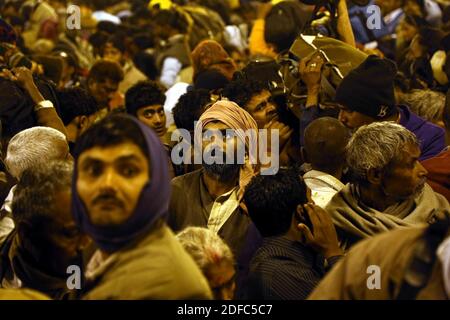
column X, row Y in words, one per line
column 224, row 149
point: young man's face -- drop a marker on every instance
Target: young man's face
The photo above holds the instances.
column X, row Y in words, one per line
column 103, row 92
column 110, row 181
column 353, row 119
column 262, row 108
column 112, row 53
column 153, row 117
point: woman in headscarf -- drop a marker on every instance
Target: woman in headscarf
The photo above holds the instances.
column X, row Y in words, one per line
column 120, row 199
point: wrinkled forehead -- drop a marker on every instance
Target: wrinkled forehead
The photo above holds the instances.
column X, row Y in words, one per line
column 406, row 156
column 216, row 126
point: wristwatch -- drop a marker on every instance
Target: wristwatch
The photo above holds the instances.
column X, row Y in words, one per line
column 43, row 105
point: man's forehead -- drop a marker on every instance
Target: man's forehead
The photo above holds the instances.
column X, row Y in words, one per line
column 412, row 151
column 216, row 125
column 262, row 95
column 408, row 153
column 151, row 107
column 125, row 150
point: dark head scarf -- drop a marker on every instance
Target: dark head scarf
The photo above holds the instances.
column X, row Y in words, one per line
column 152, row 204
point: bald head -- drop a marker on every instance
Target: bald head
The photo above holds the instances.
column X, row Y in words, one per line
column 325, row 141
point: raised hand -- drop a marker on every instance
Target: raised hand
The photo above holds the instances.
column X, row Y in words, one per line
column 323, row 238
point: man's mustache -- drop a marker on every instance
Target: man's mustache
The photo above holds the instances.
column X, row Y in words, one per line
column 107, row 197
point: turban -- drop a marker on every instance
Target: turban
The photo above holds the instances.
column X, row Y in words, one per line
column 239, row 120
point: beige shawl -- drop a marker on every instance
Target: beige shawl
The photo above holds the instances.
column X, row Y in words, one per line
column 355, row 221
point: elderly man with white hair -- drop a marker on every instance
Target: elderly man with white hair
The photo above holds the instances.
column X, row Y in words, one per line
column 29, row 148
column 214, row 258
column 388, row 188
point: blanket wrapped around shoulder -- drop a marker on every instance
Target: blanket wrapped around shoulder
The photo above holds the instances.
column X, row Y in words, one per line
column 355, row 221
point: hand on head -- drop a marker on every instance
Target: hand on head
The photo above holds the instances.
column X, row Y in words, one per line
column 323, row 237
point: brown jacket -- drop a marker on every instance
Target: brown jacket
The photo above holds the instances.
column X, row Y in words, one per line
column 354, row 221
column 190, row 205
column 391, row 252
column 155, row 268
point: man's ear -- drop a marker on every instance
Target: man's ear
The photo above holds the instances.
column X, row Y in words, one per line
column 374, row 176
column 83, row 121
column 298, row 214
column 300, row 210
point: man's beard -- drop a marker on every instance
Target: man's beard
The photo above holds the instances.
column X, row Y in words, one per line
column 416, row 192
column 222, row 172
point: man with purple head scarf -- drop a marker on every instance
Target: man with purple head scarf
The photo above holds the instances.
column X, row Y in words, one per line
column 120, row 199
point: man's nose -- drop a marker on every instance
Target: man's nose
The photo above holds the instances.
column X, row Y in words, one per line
column 108, row 179
column 158, row 118
column 422, row 171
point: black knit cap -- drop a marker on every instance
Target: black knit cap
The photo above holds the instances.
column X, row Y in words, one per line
column 369, row 89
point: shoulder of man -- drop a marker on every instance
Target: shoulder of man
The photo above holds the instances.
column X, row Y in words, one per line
column 187, row 180
column 171, row 274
